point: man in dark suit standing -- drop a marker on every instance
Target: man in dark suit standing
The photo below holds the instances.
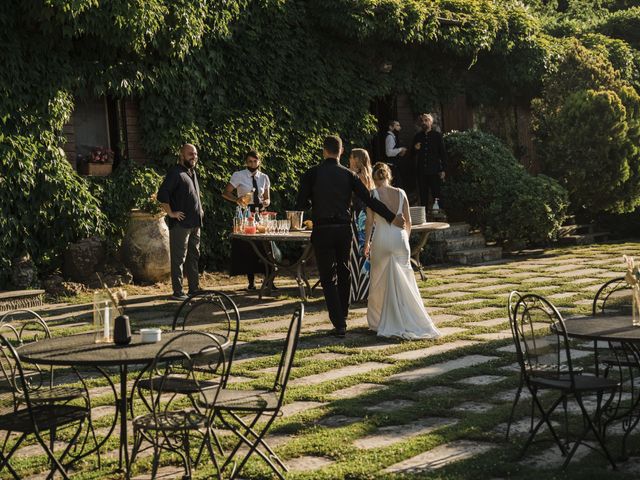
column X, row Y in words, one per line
column 431, row 160
column 329, row 187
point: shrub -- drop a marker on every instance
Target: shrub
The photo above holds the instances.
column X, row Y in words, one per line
column 491, row 190
column 44, row 205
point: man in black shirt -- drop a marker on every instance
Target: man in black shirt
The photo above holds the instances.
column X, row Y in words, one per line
column 329, row 186
column 179, row 196
column 431, row 160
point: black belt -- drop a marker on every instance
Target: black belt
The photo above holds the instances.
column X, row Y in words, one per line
column 331, row 221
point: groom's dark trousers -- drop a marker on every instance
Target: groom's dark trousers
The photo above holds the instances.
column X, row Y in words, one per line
column 332, row 246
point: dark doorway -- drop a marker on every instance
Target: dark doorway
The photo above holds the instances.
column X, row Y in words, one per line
column 385, row 109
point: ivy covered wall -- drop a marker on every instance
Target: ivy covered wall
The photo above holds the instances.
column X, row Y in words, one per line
column 226, row 75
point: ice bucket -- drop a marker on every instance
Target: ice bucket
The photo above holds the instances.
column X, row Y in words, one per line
column 295, row 217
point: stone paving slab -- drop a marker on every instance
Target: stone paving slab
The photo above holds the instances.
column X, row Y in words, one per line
column 336, row 421
column 443, row 317
column 326, row 357
column 501, row 335
column 481, row 380
column 430, row 351
column 453, row 294
column 510, row 395
column 308, row 463
column 440, row 456
column 357, row 390
column 473, row 407
column 391, row 405
column 338, row 373
column 580, row 281
column 539, row 279
column 494, row 322
column 447, row 331
column 448, row 286
column 390, row 435
column 471, row 301
column 497, row 287
column 440, row 368
column 552, row 459
column 562, row 295
column 483, row 310
column 437, row 390
column 296, row 407
column 581, row 272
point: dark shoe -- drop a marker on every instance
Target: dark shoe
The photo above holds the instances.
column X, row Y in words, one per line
column 273, row 287
column 181, row 297
column 251, row 287
column 338, row 332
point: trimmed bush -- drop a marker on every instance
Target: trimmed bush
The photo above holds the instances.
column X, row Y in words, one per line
column 492, row 191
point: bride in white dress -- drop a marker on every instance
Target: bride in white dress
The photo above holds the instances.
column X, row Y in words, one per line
column 395, row 307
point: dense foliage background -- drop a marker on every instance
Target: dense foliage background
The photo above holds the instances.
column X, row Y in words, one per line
column 274, row 75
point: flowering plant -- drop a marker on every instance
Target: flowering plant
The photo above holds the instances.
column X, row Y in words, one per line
column 632, row 276
column 101, row 155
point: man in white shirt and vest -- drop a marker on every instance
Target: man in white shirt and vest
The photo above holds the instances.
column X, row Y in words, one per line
column 394, row 153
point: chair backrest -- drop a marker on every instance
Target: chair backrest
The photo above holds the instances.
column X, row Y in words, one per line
column 512, row 301
column 21, row 327
column 217, row 311
column 172, row 363
column 541, row 340
column 614, row 297
column 288, row 354
column 12, row 373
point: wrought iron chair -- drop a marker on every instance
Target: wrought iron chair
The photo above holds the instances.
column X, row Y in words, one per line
column 19, row 414
column 22, row 327
column 541, row 369
column 536, row 348
column 232, row 406
column 618, row 358
column 168, row 425
column 219, row 313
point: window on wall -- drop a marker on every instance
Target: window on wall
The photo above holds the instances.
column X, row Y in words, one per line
column 91, row 122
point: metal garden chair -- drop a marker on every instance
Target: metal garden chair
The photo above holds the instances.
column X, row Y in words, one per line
column 233, row 406
column 170, row 423
column 537, row 347
column 20, row 415
column 22, row 327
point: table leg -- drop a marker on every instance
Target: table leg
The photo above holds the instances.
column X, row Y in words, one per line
column 124, row 448
column 417, row 250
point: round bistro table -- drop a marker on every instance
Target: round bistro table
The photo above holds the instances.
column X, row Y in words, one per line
column 423, row 230
column 296, row 268
column 82, row 351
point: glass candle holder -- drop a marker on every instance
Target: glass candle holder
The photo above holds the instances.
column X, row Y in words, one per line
column 103, row 316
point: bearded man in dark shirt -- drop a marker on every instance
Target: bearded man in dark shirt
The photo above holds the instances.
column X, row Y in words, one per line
column 179, row 196
column 431, row 160
column 329, row 187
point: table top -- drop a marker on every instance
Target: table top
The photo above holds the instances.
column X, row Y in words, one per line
column 429, row 226
column 81, row 349
column 305, row 235
column 603, row 327
column 293, row 236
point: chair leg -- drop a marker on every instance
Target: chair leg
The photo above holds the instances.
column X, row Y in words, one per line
column 214, row 458
column 513, row 407
column 544, row 420
column 589, row 426
column 4, row 460
column 253, row 446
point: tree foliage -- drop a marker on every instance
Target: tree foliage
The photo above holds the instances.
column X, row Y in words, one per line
column 587, row 127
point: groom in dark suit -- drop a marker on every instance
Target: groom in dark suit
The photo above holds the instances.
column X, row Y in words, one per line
column 329, row 187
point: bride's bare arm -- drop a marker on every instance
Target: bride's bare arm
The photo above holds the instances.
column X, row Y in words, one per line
column 368, row 229
column 405, row 212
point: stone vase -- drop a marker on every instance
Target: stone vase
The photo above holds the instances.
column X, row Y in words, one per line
column 145, row 248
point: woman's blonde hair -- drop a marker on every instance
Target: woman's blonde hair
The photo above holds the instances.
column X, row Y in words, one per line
column 363, row 168
column 381, row 172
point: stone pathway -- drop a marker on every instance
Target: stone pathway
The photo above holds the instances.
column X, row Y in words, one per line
column 362, row 407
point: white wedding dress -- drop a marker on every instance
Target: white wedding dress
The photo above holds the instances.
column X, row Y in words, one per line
column 395, row 307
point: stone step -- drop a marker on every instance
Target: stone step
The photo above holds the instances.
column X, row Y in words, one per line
column 459, row 229
column 576, row 229
column 13, row 300
column 474, row 240
column 584, row 239
column 474, row 255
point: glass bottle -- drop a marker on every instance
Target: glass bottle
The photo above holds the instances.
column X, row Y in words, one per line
column 103, row 316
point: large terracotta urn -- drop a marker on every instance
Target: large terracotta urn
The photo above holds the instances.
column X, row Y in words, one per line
column 145, row 248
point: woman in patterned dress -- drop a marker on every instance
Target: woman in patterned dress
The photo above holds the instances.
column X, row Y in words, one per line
column 360, row 164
